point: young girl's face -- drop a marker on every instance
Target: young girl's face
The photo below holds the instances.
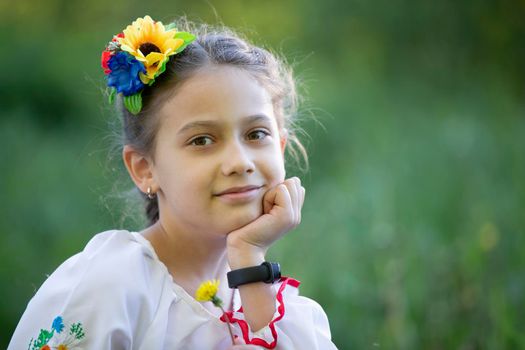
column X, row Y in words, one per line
column 218, row 134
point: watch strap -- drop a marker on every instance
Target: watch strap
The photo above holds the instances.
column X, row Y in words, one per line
column 267, row 272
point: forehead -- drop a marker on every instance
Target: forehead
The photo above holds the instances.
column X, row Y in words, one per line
column 220, row 93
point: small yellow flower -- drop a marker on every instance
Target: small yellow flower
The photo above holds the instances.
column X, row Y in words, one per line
column 207, row 291
column 150, row 43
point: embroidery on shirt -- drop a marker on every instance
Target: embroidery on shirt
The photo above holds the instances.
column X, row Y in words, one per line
column 57, row 338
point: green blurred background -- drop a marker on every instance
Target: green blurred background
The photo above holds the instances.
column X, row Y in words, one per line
column 413, row 227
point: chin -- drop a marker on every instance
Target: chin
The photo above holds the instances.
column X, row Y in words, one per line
column 242, row 217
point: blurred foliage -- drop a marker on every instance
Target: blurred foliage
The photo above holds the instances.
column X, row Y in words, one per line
column 413, row 228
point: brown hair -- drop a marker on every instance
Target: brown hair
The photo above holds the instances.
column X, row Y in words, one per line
column 212, row 46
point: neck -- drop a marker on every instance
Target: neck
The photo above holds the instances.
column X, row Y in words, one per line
column 191, row 257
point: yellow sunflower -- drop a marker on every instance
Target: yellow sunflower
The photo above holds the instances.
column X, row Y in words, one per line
column 150, row 43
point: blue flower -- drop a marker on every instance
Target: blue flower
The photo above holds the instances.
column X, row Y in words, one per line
column 124, row 75
column 58, row 325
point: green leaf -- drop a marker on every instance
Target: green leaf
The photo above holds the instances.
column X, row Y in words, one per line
column 162, row 68
column 180, row 49
column 133, row 103
column 112, row 94
column 77, row 330
column 187, row 37
column 43, row 338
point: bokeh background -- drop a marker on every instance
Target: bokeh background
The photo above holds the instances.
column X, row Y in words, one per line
column 413, row 228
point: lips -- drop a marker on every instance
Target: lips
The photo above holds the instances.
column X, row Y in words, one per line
column 239, row 189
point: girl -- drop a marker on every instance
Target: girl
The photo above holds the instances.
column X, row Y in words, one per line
column 206, row 120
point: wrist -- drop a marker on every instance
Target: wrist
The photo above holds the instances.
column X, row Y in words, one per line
column 242, row 254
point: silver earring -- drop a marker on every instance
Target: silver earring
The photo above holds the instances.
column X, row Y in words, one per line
column 149, row 194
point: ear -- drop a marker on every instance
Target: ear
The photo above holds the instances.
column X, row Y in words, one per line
column 139, row 168
column 284, row 139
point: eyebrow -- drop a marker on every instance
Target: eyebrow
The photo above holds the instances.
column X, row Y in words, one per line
column 212, row 123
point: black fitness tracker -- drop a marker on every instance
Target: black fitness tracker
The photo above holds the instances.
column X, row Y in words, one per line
column 267, row 272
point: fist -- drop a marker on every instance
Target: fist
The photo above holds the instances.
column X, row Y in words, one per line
column 282, row 206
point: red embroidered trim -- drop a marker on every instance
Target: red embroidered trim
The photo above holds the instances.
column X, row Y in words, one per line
column 244, row 325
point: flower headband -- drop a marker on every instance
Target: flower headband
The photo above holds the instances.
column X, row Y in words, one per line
column 138, row 55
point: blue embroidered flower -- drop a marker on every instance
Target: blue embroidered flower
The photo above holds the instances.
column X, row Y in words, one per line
column 58, row 324
column 124, row 75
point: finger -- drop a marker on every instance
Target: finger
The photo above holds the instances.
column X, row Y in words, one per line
column 277, row 196
column 297, row 199
column 291, row 185
column 300, row 199
column 302, row 192
column 269, row 200
column 283, row 198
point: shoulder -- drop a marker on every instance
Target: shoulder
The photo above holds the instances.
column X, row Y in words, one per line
column 115, row 244
column 112, row 260
column 114, row 265
column 112, row 287
column 118, row 256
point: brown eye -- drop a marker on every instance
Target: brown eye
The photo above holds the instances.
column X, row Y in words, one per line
column 201, row 141
column 257, row 135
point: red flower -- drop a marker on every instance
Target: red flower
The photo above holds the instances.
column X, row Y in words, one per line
column 45, row 347
column 106, row 55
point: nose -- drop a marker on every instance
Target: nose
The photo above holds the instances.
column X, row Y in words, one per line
column 237, row 159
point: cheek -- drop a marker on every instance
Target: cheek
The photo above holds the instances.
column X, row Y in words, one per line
column 181, row 178
column 276, row 170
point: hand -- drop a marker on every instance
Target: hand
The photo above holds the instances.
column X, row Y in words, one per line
column 281, row 213
column 241, row 345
